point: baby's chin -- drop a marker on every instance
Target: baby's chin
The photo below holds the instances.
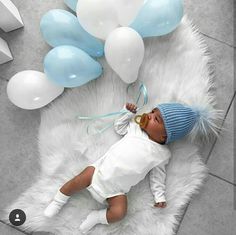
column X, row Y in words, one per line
column 150, row 137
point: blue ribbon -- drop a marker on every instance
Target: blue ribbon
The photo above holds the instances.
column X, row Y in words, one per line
column 142, row 91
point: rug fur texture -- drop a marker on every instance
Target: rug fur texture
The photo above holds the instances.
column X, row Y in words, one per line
column 175, row 68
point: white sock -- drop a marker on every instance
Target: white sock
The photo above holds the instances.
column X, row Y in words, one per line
column 57, row 203
column 95, row 217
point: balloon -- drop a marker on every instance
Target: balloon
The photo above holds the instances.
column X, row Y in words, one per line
column 60, row 27
column 124, row 51
column 127, row 10
column 71, row 4
column 158, row 17
column 69, row 66
column 98, row 17
column 31, row 89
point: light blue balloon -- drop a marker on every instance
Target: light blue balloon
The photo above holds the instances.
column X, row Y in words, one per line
column 158, row 17
column 69, row 66
column 60, row 27
column 71, row 4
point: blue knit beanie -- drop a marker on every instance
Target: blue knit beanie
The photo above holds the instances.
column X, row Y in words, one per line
column 178, row 119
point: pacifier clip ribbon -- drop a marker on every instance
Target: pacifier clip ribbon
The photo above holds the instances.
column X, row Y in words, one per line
column 142, row 91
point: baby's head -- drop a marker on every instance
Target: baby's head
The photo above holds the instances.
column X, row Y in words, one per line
column 168, row 122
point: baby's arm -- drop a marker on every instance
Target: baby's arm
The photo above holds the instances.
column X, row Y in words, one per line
column 121, row 124
column 157, row 183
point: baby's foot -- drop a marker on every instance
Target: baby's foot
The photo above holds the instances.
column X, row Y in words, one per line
column 89, row 222
column 55, row 206
column 95, row 217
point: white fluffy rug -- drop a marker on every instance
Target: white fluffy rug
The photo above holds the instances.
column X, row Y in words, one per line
column 175, row 68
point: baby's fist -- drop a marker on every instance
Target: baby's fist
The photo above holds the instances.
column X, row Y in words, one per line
column 160, row 204
column 131, row 107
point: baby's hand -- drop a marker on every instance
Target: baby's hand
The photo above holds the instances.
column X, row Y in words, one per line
column 160, row 204
column 131, row 107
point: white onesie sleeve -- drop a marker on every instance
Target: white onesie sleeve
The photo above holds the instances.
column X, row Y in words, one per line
column 121, row 124
column 157, row 181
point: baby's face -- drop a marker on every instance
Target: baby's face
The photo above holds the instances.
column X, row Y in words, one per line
column 155, row 127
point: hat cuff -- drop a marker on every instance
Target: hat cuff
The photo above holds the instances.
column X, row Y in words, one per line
column 168, row 132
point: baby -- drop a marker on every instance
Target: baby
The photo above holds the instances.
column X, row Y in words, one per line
column 143, row 149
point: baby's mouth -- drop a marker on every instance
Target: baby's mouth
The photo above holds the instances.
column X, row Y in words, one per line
column 143, row 120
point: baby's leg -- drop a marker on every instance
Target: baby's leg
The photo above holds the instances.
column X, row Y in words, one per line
column 76, row 184
column 117, row 208
column 116, row 211
column 79, row 182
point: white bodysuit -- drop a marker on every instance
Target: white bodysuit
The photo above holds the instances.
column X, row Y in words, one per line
column 128, row 161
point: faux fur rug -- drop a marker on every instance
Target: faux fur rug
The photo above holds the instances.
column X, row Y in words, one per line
column 175, row 68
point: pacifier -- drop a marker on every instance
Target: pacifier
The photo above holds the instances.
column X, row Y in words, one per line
column 142, row 120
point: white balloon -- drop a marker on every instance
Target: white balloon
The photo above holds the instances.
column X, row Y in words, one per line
column 31, row 89
column 124, row 51
column 127, row 10
column 97, row 17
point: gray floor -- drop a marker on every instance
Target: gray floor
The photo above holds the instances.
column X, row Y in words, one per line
column 210, row 212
